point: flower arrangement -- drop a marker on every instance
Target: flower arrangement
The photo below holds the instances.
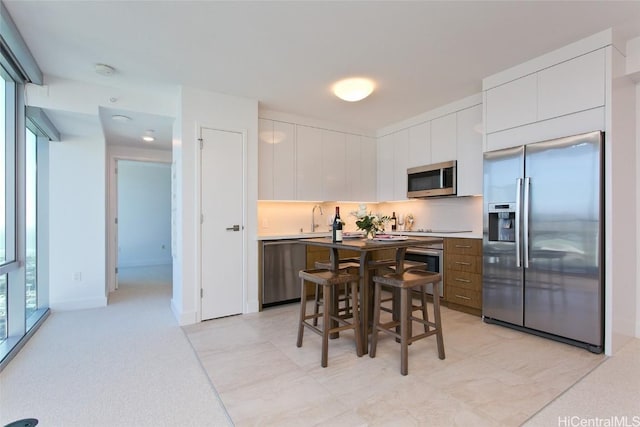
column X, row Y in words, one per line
column 369, row 223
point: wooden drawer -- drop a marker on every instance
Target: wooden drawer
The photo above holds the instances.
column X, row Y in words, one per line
column 464, row 297
column 463, row 246
column 463, row 279
column 468, row 263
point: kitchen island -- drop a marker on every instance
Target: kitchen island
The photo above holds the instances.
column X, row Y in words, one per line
column 365, row 248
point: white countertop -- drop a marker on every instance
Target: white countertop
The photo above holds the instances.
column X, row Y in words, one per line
column 434, row 233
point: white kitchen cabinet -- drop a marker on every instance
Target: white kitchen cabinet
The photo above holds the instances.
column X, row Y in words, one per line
column 334, row 165
column 400, row 161
column 419, row 145
column 469, row 171
column 512, row 104
column 385, row 168
column 265, row 159
column 276, row 164
column 361, row 168
column 368, row 170
column 572, row 86
column 309, row 154
column 443, row 138
column 354, row 181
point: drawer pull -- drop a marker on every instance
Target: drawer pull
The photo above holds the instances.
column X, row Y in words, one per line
column 463, row 297
column 463, row 263
column 464, row 246
column 457, row 279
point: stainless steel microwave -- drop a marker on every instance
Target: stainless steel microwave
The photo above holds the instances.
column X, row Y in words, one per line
column 438, row 179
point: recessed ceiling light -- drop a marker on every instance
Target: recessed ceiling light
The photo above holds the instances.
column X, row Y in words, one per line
column 148, row 136
column 353, row 89
column 104, row 69
column 120, row 118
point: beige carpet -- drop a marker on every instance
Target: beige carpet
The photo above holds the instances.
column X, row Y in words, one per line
column 128, row 364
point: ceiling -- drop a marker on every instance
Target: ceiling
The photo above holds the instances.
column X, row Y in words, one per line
column 422, row 54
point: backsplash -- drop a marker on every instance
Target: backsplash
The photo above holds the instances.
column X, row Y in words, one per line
column 455, row 213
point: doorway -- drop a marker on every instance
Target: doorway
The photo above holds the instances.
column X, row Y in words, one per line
column 143, row 224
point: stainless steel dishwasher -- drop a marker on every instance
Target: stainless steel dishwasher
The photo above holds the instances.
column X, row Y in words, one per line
column 281, row 262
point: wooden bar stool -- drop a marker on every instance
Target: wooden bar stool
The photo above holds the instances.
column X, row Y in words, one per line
column 329, row 280
column 405, row 283
column 344, row 296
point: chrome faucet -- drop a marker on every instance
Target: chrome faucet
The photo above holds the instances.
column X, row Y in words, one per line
column 313, row 218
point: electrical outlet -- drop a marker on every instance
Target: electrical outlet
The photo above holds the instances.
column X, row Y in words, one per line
column 77, row 276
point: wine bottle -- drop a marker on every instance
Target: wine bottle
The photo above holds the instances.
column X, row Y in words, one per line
column 337, row 227
column 394, row 222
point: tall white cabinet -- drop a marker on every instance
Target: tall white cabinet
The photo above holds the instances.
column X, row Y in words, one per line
column 580, row 88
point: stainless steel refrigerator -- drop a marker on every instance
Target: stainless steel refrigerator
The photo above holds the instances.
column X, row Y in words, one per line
column 543, row 269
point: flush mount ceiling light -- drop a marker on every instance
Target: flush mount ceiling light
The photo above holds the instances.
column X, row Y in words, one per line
column 353, row 89
column 148, row 137
column 121, row 118
column 104, row 69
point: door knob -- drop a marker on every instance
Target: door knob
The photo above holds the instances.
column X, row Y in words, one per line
column 234, row 228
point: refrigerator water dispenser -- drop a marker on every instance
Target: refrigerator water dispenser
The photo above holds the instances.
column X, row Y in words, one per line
column 502, row 220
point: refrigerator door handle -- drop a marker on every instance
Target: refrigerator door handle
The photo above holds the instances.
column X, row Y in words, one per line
column 525, row 221
column 518, row 201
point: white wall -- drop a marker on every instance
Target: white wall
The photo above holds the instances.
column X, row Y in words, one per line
column 77, row 223
column 144, row 213
column 199, row 108
column 638, row 207
column 620, row 206
column 452, row 213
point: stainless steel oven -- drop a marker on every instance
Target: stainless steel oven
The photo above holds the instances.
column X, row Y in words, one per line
column 430, row 255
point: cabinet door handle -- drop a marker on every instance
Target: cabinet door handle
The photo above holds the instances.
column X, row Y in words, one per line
column 463, row 263
column 464, row 246
column 462, row 297
column 457, row 279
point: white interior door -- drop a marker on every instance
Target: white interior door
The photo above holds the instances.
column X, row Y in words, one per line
column 222, row 227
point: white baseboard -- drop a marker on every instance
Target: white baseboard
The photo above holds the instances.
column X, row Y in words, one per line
column 145, row 263
column 252, row 306
column 183, row 318
column 78, row 304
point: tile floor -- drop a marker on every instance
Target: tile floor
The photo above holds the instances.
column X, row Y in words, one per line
column 491, row 375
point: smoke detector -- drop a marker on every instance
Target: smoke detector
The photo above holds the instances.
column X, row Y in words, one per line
column 104, row 69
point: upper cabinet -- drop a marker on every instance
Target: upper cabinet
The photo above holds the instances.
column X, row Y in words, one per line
column 556, row 97
column 276, row 151
column 298, row 162
column 334, row 170
column 400, row 161
column 360, row 183
column 455, row 133
column 469, row 149
column 419, row 145
column 310, row 153
column 512, row 104
column 571, row 86
column 393, row 156
column 385, row 167
column 444, row 138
